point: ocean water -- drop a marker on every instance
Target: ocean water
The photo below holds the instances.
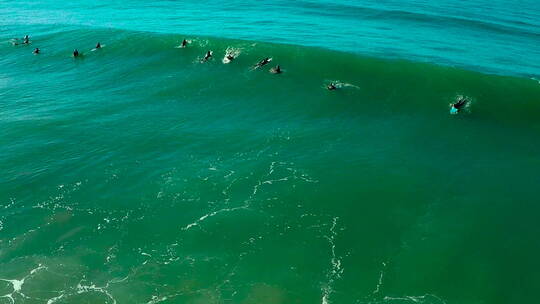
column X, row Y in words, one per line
column 138, row 174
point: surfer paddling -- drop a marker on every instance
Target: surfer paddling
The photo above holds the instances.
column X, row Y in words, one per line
column 76, row 53
column 263, row 62
column 36, row 51
column 331, row 87
column 207, row 56
column 457, row 106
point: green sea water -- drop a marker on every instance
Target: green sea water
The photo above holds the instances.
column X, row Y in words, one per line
column 137, row 174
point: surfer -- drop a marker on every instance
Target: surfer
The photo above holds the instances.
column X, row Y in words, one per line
column 207, row 56
column 184, row 43
column 459, row 104
column 276, row 70
column 36, row 51
column 331, row 86
column 26, row 40
column 263, row 62
column 98, row 45
column 75, row 53
column 230, row 57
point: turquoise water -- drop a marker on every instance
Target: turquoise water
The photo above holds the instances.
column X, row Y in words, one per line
column 137, row 174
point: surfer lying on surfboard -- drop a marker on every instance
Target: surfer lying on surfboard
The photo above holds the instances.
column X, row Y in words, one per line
column 459, row 104
column 263, row 62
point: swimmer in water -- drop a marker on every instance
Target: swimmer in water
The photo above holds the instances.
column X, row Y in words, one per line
column 75, row 53
column 98, row 45
column 331, row 87
column 36, row 51
column 263, row 62
column 184, row 43
column 459, row 104
column 276, row 70
column 207, row 56
column 26, row 40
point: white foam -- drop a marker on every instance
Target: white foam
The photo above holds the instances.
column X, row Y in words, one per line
column 211, row 214
column 18, row 284
column 379, row 283
column 415, row 299
column 336, row 270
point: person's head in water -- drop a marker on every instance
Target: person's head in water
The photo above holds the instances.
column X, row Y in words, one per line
column 276, row 69
column 75, row 53
column 331, row 86
column 98, row 45
column 36, row 51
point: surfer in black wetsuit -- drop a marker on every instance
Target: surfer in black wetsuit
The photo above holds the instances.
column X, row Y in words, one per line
column 331, row 86
column 460, row 104
column 276, row 70
column 98, row 45
column 36, row 51
column 263, row 62
column 75, row 53
column 207, row 56
column 230, row 57
column 184, row 43
column 26, row 40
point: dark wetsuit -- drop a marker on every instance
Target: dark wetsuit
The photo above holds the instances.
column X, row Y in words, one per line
column 263, row 62
column 276, row 70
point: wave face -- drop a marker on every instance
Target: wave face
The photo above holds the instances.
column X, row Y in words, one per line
column 489, row 36
column 137, row 174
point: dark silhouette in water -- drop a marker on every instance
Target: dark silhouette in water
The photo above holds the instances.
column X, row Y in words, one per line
column 459, row 105
column 26, row 40
column 36, row 51
column 263, row 62
column 207, row 56
column 76, row 53
column 331, row 86
column 98, row 45
column 276, row 70
column 184, row 43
